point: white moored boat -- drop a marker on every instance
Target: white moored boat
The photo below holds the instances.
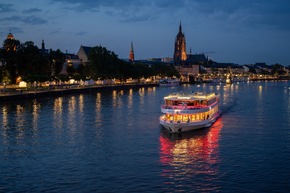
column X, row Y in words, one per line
column 189, row 111
column 169, row 82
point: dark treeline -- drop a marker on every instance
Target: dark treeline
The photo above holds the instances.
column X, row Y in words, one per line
column 106, row 64
column 27, row 61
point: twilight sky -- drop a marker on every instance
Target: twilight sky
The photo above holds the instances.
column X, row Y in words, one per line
column 238, row 31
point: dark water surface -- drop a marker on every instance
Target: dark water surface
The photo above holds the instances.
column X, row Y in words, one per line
column 111, row 141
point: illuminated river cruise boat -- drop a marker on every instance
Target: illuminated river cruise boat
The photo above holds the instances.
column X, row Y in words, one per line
column 189, row 111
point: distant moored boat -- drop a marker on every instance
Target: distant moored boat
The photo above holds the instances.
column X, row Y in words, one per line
column 169, row 82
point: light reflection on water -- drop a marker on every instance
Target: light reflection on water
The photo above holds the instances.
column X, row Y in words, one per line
column 57, row 112
column 36, row 108
column 192, row 154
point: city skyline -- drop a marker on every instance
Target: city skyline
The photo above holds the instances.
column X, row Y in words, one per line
column 239, row 32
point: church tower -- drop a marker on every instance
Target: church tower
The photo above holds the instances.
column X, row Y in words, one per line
column 131, row 55
column 10, row 43
column 180, row 47
column 10, row 36
column 42, row 45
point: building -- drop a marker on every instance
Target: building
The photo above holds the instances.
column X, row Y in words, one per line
column 195, row 59
column 83, row 54
column 75, row 60
column 10, row 43
column 10, row 36
column 71, row 60
column 180, row 48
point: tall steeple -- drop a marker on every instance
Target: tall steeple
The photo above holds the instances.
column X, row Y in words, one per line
column 42, row 45
column 180, row 47
column 131, row 55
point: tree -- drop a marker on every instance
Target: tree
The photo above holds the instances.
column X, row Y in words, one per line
column 8, row 57
column 106, row 64
column 32, row 65
column 103, row 63
column 164, row 70
column 56, row 59
column 278, row 69
column 70, row 70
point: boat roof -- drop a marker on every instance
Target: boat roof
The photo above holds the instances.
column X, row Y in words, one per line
column 191, row 96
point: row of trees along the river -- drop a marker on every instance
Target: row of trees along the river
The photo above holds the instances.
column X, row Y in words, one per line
column 27, row 61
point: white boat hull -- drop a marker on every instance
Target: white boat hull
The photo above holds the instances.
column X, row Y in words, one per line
column 174, row 127
column 173, row 84
column 169, row 82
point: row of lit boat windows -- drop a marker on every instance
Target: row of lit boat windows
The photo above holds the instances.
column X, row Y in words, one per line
column 190, row 103
column 191, row 117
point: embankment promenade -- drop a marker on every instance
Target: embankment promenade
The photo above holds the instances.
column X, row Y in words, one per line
column 20, row 93
column 16, row 93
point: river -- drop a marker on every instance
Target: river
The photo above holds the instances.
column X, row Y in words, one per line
column 111, row 141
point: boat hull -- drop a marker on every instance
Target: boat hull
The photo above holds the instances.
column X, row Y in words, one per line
column 173, row 84
column 174, row 127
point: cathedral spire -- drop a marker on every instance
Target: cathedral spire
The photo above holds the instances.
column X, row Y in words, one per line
column 180, row 47
column 131, row 55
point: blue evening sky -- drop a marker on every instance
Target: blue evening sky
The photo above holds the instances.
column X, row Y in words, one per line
column 239, row 31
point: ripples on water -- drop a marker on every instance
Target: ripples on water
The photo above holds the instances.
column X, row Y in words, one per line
column 111, row 141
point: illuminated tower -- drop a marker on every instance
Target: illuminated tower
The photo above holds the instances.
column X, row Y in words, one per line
column 131, row 55
column 180, row 47
column 10, row 36
column 10, row 43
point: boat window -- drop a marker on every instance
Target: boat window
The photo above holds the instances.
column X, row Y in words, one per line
column 193, row 117
column 169, row 117
column 177, row 118
column 185, row 118
column 202, row 116
column 197, row 116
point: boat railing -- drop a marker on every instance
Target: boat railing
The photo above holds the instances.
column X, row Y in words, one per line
column 181, row 107
column 181, row 121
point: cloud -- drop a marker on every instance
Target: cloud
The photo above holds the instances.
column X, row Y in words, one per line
column 32, row 10
column 32, row 20
column 55, row 32
column 81, row 33
column 13, row 18
column 14, row 30
column 126, row 11
column 137, row 18
column 90, row 4
column 249, row 13
column 5, row 8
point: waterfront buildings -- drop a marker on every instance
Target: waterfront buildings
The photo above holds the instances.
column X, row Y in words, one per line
column 188, row 65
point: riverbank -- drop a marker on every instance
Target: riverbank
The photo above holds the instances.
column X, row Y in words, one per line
column 20, row 94
column 17, row 93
